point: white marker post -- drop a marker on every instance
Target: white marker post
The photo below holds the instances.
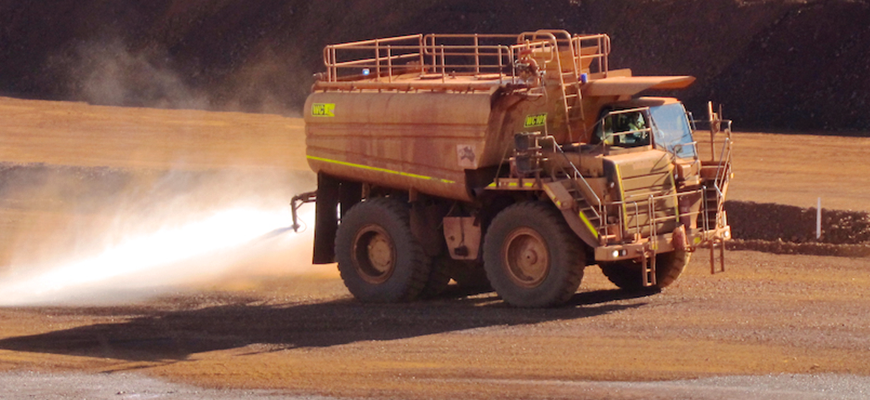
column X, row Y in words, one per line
column 819, row 219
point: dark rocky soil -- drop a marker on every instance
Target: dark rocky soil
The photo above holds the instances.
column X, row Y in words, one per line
column 776, row 64
column 777, row 222
column 784, row 229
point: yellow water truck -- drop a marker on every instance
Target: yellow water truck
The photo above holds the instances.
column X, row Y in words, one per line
column 510, row 161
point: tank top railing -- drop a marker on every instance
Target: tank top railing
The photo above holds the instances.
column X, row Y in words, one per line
column 592, row 53
column 430, row 58
column 372, row 59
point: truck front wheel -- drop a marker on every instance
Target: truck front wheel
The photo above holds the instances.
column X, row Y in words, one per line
column 531, row 256
column 379, row 258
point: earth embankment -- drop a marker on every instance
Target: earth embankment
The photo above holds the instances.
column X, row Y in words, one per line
column 784, row 229
column 779, row 65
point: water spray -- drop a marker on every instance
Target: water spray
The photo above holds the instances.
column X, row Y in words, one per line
column 166, row 257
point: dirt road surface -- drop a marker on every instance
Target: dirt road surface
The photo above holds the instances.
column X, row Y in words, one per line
column 273, row 326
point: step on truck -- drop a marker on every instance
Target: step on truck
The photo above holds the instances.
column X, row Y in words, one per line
column 507, row 161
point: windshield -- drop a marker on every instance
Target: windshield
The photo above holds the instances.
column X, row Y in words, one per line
column 624, row 128
column 671, row 130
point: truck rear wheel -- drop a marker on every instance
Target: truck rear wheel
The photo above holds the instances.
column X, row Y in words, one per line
column 379, row 258
column 531, row 256
column 629, row 274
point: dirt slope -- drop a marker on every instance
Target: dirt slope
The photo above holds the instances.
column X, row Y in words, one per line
column 776, row 64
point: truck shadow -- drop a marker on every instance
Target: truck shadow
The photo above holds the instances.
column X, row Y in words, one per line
column 163, row 335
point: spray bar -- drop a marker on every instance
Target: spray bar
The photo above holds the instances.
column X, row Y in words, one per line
column 297, row 202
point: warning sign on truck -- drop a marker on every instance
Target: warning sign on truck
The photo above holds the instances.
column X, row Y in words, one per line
column 536, row 120
column 323, row 110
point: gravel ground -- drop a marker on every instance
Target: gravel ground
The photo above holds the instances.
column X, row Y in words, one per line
column 22, row 386
column 771, row 326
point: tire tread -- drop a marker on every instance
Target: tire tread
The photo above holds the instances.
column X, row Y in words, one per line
column 397, row 212
column 565, row 240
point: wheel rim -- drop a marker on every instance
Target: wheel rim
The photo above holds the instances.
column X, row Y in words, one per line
column 374, row 254
column 527, row 259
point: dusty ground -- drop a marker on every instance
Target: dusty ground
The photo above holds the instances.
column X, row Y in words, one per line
column 262, row 328
column 798, row 169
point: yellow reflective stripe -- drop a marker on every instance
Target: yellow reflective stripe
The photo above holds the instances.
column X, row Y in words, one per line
column 552, row 195
column 376, row 169
column 514, row 184
column 588, row 224
column 676, row 196
column 622, row 195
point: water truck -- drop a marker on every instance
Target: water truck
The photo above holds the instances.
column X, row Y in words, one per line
column 507, row 161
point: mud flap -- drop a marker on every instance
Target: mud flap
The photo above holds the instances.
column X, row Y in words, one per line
column 326, row 219
column 334, row 197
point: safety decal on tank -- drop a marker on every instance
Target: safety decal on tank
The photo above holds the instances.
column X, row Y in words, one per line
column 466, row 156
column 535, row 120
column 323, row 110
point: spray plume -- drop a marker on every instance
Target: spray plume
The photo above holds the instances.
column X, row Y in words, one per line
column 166, row 251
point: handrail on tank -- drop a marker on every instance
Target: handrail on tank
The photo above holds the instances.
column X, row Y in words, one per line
column 490, row 55
column 544, row 44
column 376, row 41
column 412, row 44
column 601, row 54
column 495, row 58
column 575, row 44
column 461, row 54
column 546, row 33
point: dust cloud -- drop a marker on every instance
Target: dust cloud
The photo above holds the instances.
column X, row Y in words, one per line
column 150, row 233
column 104, row 235
column 109, row 72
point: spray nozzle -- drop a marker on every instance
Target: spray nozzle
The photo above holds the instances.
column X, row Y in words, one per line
column 297, row 202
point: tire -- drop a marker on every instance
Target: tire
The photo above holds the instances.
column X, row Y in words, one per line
column 628, row 274
column 379, row 259
column 531, row 256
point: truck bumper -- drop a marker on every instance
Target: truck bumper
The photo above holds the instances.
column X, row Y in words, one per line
column 662, row 244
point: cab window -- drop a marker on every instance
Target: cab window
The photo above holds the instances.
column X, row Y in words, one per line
column 624, row 129
column 672, row 131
